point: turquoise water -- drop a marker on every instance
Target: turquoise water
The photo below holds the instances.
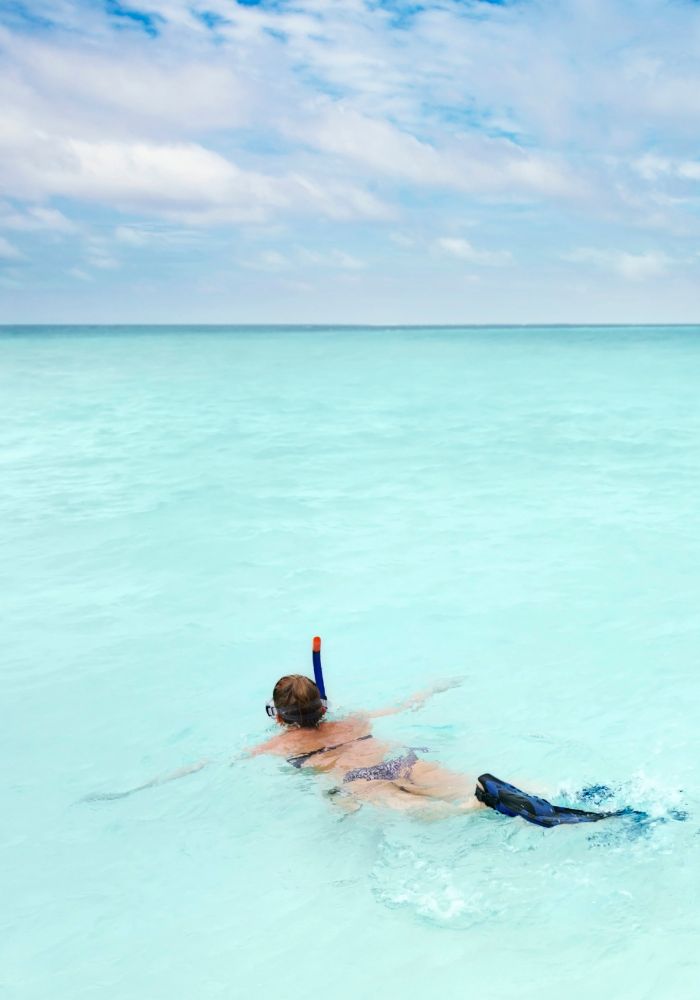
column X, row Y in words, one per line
column 183, row 509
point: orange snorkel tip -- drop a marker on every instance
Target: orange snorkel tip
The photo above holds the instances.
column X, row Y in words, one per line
column 318, row 669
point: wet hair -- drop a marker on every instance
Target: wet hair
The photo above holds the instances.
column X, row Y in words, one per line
column 298, row 700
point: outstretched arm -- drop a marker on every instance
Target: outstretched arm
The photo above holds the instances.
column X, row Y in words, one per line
column 159, row 780
column 415, row 701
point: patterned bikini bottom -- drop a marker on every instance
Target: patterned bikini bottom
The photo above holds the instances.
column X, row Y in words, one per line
column 388, row 770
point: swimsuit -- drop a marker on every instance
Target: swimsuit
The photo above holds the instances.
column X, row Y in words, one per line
column 386, row 770
column 498, row 795
column 301, row 758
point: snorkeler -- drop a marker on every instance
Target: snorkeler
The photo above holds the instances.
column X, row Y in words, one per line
column 364, row 768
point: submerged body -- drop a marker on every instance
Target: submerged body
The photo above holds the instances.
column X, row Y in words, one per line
column 365, row 768
column 362, row 768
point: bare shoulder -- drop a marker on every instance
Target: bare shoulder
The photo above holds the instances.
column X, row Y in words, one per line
column 357, row 720
column 350, row 726
column 273, row 745
column 295, row 741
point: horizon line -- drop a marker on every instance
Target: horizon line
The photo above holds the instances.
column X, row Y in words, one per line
column 351, row 326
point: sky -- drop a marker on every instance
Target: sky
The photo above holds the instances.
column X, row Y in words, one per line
column 348, row 161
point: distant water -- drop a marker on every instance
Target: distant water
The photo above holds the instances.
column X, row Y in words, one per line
column 182, row 509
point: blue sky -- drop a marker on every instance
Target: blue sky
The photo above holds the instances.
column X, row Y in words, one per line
column 350, row 161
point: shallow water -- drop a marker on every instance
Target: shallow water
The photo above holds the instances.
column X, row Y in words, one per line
column 182, row 509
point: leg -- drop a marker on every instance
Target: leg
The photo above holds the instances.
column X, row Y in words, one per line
column 430, row 792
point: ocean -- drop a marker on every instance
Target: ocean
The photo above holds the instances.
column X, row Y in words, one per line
column 183, row 508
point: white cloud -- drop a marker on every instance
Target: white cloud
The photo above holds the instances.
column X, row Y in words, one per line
column 425, row 105
column 303, row 287
column 330, row 258
column 306, row 115
column 652, row 167
column 80, row 274
column 183, row 181
column 134, row 236
column 268, row 260
column 301, row 258
column 638, row 267
column 156, row 235
column 159, row 176
column 633, row 267
column 403, row 240
column 463, row 250
column 469, row 163
column 34, row 218
column 93, row 86
column 689, row 169
column 346, row 261
column 102, row 261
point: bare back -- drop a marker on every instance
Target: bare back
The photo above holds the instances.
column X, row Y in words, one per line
column 345, row 745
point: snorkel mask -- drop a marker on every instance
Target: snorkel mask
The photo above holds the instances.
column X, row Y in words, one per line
column 310, row 714
column 288, row 715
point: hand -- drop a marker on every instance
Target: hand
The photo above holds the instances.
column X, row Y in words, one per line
column 417, row 701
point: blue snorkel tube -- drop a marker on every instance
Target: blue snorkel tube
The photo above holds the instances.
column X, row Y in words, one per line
column 318, row 669
column 318, row 678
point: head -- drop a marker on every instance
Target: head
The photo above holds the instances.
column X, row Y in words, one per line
column 297, row 701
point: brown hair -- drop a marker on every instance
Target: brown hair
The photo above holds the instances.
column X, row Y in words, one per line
column 298, row 700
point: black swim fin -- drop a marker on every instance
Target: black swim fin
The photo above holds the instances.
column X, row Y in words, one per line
column 511, row 801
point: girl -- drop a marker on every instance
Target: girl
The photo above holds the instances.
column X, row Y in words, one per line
column 365, row 768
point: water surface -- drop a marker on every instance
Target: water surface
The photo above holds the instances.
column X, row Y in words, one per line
column 182, row 509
